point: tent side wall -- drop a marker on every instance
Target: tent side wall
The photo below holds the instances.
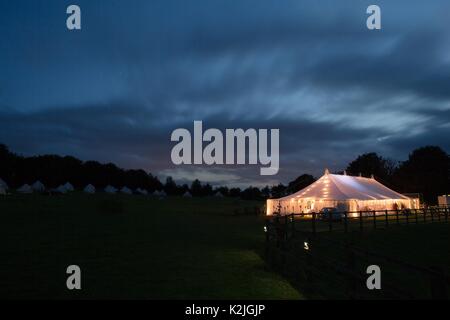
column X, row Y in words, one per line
column 310, row 205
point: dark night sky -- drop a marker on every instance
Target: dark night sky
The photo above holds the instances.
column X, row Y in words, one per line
column 137, row 70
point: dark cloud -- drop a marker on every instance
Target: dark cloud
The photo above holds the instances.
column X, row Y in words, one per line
column 115, row 90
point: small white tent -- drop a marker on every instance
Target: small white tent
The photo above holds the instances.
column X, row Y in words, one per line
column 162, row 194
column 3, row 184
column 69, row 187
column 110, row 189
column 126, row 190
column 60, row 189
column 141, row 191
column 346, row 193
column 3, row 187
column 25, row 189
column 218, row 194
column 89, row 189
column 38, row 186
column 156, row 193
column 187, row 194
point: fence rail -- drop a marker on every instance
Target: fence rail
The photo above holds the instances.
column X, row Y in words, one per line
column 361, row 220
column 299, row 246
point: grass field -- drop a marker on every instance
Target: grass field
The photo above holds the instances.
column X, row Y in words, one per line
column 404, row 254
column 134, row 247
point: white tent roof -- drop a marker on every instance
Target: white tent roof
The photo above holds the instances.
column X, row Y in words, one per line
column 218, row 194
column 187, row 194
column 69, row 187
column 110, row 189
column 38, row 186
column 3, row 184
column 25, row 189
column 89, row 189
column 61, row 189
column 126, row 190
column 343, row 187
column 141, row 191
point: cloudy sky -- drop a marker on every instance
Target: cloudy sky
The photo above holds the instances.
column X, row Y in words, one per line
column 115, row 90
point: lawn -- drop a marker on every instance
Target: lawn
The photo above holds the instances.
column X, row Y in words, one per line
column 404, row 253
column 134, row 247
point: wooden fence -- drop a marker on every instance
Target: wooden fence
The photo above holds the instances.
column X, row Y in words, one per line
column 325, row 268
column 361, row 220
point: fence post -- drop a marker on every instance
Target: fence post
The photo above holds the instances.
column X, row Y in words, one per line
column 346, row 221
column 396, row 215
column 406, row 213
column 330, row 225
column 439, row 214
column 424, row 215
column 267, row 240
column 446, row 213
column 374, row 219
column 285, row 227
column 360, row 221
column 314, row 223
column 432, row 216
column 292, row 225
column 417, row 218
column 386, row 218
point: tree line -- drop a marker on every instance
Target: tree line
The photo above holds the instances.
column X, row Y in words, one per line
column 426, row 171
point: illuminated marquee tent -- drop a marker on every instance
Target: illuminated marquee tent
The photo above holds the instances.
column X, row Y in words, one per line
column 346, row 193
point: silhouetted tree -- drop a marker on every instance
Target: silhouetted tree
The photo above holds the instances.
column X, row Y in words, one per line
column 251, row 193
column 54, row 170
column 223, row 190
column 265, row 192
column 301, row 182
column 196, row 188
column 235, row 192
column 427, row 171
column 278, row 191
column 171, row 187
column 371, row 163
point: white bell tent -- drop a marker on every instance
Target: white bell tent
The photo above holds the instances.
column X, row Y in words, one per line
column 346, row 193
column 3, row 184
column 141, row 191
column 187, row 194
column 110, row 189
column 69, row 187
column 26, row 188
column 89, row 189
column 60, row 189
column 3, row 187
column 126, row 190
column 38, row 186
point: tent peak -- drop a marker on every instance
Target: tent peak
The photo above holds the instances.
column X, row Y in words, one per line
column 327, row 171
